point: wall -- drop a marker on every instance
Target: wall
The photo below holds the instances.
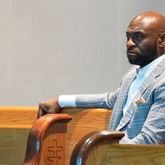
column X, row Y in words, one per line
column 52, row 47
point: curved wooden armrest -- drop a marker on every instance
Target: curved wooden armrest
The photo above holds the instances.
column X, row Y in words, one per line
column 52, row 140
column 39, row 132
column 90, row 142
column 102, row 148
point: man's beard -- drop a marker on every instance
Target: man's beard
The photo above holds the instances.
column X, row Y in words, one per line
column 138, row 59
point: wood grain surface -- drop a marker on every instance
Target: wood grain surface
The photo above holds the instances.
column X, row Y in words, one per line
column 100, row 148
column 17, row 117
column 12, row 145
column 134, row 155
column 83, row 122
column 15, row 123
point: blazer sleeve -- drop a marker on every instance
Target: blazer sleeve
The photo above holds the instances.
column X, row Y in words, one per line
column 153, row 130
column 105, row 100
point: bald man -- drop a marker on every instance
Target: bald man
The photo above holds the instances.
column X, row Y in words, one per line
column 139, row 103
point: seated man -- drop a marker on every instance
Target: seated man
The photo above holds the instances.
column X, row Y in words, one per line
column 139, row 103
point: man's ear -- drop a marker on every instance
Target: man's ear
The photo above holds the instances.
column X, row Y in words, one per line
column 162, row 39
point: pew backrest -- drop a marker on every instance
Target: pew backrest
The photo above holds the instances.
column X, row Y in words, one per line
column 15, row 124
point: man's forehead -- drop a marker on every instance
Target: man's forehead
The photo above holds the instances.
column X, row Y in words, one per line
column 142, row 24
column 135, row 28
column 145, row 20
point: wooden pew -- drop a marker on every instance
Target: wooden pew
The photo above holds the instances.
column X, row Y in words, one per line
column 52, row 140
column 104, row 149
column 15, row 124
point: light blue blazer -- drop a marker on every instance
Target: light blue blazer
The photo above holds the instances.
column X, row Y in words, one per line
column 144, row 121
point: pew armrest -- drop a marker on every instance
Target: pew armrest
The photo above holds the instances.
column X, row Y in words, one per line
column 51, row 139
column 103, row 148
column 38, row 146
column 93, row 145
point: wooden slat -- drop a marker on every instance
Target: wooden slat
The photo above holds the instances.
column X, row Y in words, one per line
column 17, row 117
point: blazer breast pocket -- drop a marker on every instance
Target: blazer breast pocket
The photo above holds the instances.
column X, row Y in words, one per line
column 141, row 103
column 143, row 107
column 141, row 112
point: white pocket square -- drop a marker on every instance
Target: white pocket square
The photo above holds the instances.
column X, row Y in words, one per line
column 140, row 100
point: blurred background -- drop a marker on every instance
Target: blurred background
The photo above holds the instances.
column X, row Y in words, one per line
column 53, row 47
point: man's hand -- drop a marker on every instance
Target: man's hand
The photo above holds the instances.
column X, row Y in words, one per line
column 48, row 107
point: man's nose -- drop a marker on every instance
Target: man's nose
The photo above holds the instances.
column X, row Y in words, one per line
column 130, row 43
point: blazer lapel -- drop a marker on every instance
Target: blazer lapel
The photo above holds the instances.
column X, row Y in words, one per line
column 117, row 112
column 155, row 73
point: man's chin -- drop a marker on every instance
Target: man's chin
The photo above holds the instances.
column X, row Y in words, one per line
column 132, row 59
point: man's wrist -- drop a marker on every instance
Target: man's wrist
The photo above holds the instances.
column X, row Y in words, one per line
column 67, row 101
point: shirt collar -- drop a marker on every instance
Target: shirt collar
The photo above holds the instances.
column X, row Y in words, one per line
column 151, row 65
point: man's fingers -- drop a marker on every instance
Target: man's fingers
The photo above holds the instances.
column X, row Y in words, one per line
column 43, row 109
column 44, row 106
column 49, row 107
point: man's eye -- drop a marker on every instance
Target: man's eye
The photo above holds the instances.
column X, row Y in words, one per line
column 138, row 37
